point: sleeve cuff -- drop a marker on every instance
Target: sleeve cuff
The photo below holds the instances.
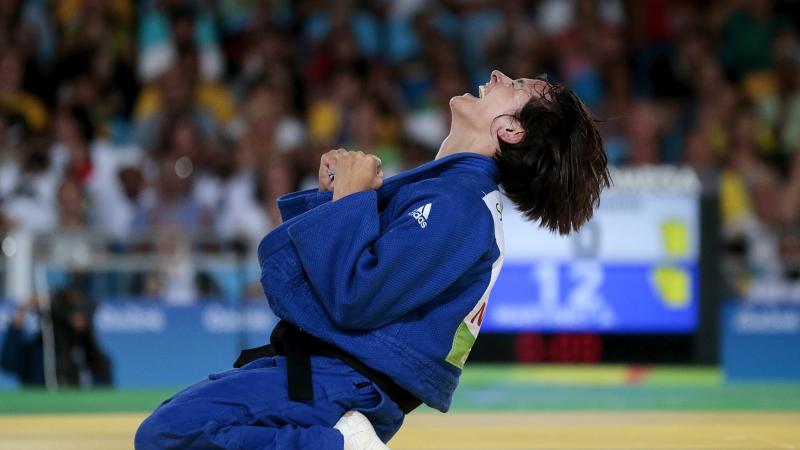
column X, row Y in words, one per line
column 329, row 217
column 296, row 203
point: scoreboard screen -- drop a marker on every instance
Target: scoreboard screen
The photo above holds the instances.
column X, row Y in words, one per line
column 634, row 268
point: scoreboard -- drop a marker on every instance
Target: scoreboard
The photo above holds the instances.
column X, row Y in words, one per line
column 634, row 268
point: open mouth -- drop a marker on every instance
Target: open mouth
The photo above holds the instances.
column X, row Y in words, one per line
column 483, row 88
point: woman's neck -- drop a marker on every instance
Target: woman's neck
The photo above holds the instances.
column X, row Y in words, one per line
column 458, row 141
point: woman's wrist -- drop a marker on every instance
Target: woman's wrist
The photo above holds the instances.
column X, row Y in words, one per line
column 344, row 191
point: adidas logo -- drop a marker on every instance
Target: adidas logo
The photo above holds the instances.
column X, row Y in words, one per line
column 421, row 215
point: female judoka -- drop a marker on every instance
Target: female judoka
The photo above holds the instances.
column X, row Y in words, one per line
column 382, row 285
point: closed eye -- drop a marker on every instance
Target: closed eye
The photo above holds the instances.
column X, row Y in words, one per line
column 521, row 85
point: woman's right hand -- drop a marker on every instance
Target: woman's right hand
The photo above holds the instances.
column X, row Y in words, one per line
column 356, row 172
column 327, row 166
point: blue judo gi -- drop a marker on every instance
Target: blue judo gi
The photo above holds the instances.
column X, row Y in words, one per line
column 399, row 278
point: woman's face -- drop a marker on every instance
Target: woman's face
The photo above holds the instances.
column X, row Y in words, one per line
column 500, row 96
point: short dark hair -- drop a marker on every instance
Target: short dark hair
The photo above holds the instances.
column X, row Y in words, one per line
column 556, row 172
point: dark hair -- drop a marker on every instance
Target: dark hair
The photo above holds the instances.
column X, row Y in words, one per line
column 556, row 172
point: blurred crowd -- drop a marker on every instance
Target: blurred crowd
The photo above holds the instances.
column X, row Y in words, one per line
column 159, row 123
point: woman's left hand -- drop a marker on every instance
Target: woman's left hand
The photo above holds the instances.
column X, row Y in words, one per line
column 327, row 169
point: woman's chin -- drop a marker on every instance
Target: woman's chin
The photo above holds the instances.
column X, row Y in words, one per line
column 464, row 99
column 463, row 110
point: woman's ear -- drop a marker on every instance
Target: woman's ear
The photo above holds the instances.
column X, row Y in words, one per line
column 510, row 131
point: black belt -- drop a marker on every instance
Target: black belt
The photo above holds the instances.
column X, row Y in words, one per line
column 297, row 346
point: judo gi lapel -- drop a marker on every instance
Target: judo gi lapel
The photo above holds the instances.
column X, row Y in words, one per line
column 433, row 168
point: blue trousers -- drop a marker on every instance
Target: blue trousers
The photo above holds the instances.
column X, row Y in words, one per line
column 249, row 408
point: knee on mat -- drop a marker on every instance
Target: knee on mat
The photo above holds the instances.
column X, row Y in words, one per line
column 156, row 433
column 148, row 435
column 173, row 428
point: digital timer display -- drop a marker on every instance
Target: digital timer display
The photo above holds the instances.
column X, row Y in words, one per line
column 634, row 268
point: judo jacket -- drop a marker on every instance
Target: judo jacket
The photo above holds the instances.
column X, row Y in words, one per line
column 398, row 277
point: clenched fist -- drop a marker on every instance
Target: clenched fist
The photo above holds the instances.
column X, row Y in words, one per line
column 356, row 172
column 327, row 169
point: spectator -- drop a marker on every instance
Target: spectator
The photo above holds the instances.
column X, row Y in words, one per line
column 166, row 32
column 644, row 128
column 277, row 179
column 340, row 16
column 369, row 131
column 269, row 123
column 107, row 92
column 175, row 280
column 116, row 201
column 779, row 109
column 80, row 362
column 270, row 60
column 171, row 203
column 71, row 247
column 327, row 114
column 71, row 152
column 14, row 100
column 22, row 355
column 428, row 125
column 617, row 105
column 27, row 26
column 179, row 92
column 745, row 35
column 28, row 187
